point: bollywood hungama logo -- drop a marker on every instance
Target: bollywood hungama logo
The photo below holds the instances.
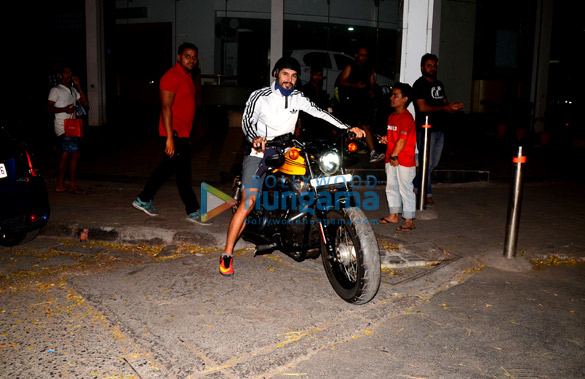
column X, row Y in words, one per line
column 214, row 201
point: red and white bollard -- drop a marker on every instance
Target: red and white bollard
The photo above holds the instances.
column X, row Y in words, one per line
column 514, row 204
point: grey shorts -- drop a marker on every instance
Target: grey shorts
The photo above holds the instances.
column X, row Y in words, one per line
column 249, row 177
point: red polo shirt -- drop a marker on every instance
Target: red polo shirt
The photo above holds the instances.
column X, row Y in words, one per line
column 179, row 82
column 401, row 126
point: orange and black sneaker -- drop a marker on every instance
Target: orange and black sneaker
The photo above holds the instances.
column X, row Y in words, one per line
column 226, row 267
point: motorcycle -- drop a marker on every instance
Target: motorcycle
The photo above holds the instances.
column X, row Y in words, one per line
column 307, row 207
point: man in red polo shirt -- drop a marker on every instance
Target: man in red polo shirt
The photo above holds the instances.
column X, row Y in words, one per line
column 177, row 95
column 400, row 162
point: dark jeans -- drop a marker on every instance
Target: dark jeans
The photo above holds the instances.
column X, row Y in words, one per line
column 436, row 142
column 180, row 166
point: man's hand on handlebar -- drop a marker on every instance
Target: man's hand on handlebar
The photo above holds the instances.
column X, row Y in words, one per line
column 359, row 133
column 259, row 144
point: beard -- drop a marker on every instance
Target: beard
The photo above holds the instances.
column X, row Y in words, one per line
column 283, row 83
column 428, row 75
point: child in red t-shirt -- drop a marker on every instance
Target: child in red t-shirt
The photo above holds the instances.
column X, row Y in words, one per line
column 400, row 163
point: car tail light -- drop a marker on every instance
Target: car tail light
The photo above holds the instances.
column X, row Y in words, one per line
column 34, row 217
column 33, row 171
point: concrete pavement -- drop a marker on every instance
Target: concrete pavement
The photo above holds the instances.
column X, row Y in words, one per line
column 471, row 192
column 157, row 308
column 469, row 220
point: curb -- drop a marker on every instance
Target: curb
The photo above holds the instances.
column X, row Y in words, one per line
column 441, row 277
column 132, row 235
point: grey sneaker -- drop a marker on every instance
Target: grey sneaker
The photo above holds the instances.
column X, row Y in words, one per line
column 196, row 218
column 376, row 157
column 145, row 207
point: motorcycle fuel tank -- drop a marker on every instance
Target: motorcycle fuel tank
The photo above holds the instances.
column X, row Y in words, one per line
column 294, row 163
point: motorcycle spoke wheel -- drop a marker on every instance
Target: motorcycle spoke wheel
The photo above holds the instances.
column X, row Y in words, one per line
column 354, row 268
column 346, row 255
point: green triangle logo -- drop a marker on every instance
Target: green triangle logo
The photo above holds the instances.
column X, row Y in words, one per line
column 214, row 202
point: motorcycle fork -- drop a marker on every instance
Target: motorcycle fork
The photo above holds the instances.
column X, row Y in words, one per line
column 326, row 236
column 324, row 226
column 322, row 216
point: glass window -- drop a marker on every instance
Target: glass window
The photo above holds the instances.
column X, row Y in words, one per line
column 317, row 59
column 341, row 61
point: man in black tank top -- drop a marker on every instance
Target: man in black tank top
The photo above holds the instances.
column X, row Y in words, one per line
column 356, row 93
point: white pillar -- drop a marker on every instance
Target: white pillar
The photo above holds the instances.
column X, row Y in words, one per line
column 95, row 62
column 541, row 58
column 417, row 37
column 276, row 31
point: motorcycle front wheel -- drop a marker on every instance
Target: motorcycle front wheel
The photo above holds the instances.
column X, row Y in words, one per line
column 354, row 270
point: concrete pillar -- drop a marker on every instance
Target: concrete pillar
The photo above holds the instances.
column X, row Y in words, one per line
column 276, row 31
column 94, row 36
column 541, row 58
column 417, row 37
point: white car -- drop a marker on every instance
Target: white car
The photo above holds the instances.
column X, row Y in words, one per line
column 333, row 62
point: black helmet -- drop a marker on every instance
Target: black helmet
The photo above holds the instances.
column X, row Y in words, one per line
column 286, row 62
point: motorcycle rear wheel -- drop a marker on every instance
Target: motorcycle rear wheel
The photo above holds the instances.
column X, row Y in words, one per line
column 355, row 271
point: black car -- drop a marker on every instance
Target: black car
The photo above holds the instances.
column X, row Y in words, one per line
column 24, row 202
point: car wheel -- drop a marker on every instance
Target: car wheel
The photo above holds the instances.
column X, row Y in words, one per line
column 20, row 238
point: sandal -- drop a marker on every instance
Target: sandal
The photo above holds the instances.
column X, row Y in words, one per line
column 60, row 189
column 430, row 202
column 384, row 220
column 405, row 229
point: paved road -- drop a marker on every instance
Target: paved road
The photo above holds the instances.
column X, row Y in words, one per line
column 496, row 325
column 143, row 297
column 105, row 311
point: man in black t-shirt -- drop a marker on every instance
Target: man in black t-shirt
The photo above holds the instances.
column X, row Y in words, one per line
column 430, row 100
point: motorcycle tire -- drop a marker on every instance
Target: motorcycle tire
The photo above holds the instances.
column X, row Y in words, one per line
column 355, row 272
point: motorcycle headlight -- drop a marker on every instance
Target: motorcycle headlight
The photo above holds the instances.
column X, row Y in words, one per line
column 329, row 162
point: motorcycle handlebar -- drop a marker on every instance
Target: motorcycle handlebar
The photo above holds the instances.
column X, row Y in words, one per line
column 288, row 139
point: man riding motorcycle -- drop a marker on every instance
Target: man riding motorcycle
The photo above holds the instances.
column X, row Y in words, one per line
column 270, row 113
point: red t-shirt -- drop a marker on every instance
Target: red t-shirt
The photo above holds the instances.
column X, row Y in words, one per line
column 401, row 126
column 179, row 82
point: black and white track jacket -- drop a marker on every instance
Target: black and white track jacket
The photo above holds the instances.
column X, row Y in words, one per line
column 268, row 114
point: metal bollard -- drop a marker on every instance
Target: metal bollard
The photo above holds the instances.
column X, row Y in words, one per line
column 514, row 205
column 424, row 167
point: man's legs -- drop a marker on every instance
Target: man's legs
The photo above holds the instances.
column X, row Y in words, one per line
column 375, row 156
column 369, row 139
column 63, row 164
column 436, row 149
column 251, row 185
column 182, row 162
column 69, row 159
column 437, row 143
column 72, row 171
column 237, row 223
column 159, row 176
column 365, row 113
column 392, row 195
column 405, row 176
column 418, row 157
